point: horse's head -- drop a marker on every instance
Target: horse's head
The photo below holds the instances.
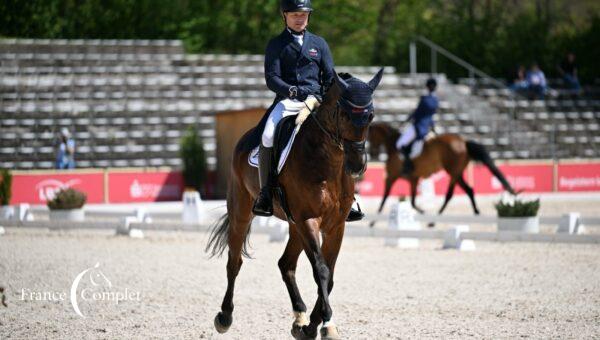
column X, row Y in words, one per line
column 351, row 110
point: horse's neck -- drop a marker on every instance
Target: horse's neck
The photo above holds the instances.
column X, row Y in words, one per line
column 321, row 155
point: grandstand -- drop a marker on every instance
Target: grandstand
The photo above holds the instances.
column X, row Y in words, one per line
column 127, row 103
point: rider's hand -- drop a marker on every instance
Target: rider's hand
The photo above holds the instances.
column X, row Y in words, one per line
column 302, row 94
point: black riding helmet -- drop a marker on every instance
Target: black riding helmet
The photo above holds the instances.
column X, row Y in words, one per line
column 296, row 6
column 431, row 84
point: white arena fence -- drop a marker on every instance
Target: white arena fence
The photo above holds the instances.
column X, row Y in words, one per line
column 403, row 225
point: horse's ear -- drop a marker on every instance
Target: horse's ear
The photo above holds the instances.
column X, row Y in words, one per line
column 340, row 82
column 373, row 83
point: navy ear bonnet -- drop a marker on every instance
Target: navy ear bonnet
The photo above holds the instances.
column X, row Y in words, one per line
column 357, row 100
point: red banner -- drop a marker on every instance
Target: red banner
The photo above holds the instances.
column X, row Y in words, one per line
column 39, row 188
column 124, row 187
column 579, row 177
column 526, row 177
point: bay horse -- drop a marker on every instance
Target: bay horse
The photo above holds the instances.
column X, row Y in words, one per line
column 449, row 152
column 318, row 182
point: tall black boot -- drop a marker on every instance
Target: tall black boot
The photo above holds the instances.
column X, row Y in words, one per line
column 407, row 166
column 263, row 206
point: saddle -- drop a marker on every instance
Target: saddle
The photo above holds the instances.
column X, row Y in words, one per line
column 284, row 136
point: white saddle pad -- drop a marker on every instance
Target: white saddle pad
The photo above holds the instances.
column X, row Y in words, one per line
column 416, row 150
column 253, row 157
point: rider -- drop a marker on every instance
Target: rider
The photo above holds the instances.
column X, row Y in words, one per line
column 422, row 121
column 298, row 65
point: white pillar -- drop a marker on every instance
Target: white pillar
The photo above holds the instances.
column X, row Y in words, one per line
column 402, row 217
column 278, row 231
column 413, row 57
column 569, row 223
column 192, row 207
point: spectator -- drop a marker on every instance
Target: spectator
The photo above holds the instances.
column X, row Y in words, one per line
column 537, row 82
column 519, row 83
column 568, row 71
column 65, row 157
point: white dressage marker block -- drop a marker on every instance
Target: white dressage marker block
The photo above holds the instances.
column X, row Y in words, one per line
column 453, row 240
column 142, row 215
column 278, row 232
column 402, row 217
column 570, row 224
column 136, row 233
column 192, row 207
column 124, row 228
column 23, row 212
column 2, row 231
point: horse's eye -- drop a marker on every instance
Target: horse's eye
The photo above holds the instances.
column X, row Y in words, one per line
column 371, row 116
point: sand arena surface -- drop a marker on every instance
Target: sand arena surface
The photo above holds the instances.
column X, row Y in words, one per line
column 502, row 290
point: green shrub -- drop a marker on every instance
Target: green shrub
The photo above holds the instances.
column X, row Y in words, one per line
column 518, row 208
column 5, row 186
column 193, row 158
column 67, row 199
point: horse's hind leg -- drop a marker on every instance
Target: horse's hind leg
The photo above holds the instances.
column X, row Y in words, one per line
column 287, row 265
column 463, row 184
column 413, row 195
column 449, row 194
column 239, row 207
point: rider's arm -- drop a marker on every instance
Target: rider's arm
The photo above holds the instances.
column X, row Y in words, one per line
column 327, row 65
column 273, row 71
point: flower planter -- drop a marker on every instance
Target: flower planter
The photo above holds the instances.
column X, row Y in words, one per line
column 67, row 215
column 520, row 224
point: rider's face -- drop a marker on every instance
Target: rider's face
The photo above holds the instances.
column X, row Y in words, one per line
column 296, row 20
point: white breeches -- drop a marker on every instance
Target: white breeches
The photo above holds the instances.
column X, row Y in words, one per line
column 408, row 135
column 286, row 107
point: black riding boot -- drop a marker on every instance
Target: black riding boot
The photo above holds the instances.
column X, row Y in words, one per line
column 355, row 215
column 408, row 166
column 263, row 206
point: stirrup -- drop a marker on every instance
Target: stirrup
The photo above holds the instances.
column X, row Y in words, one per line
column 355, row 215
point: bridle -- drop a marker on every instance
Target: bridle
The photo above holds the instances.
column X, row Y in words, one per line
column 344, row 144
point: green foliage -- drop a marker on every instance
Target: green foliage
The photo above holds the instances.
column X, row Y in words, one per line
column 5, row 186
column 194, row 159
column 494, row 35
column 518, row 208
column 67, row 199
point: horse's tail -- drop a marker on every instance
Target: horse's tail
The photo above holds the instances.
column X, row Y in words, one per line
column 219, row 238
column 478, row 153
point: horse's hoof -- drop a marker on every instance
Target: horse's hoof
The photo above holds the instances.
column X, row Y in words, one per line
column 301, row 333
column 330, row 333
column 431, row 225
column 222, row 322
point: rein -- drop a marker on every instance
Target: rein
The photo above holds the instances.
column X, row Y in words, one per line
column 337, row 140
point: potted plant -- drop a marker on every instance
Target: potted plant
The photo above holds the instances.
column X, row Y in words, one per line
column 67, row 204
column 193, row 159
column 6, row 211
column 518, row 215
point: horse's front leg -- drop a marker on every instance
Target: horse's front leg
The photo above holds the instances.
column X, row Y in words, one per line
column 332, row 243
column 309, row 231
